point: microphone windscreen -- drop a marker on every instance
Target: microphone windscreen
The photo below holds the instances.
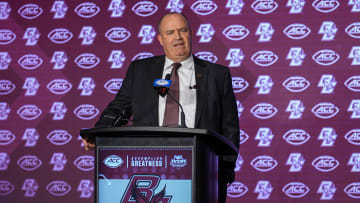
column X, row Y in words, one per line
column 168, row 76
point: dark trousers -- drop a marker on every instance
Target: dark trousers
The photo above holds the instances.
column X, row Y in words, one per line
column 226, row 175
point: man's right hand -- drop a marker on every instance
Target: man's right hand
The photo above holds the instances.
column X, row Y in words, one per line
column 88, row 145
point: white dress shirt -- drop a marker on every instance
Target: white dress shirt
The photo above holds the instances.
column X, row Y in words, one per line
column 187, row 94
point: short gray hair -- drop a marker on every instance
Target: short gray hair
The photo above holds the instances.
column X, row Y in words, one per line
column 173, row 13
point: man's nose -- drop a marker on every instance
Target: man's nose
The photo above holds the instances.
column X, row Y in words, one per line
column 178, row 34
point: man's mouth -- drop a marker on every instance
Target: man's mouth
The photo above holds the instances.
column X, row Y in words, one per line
column 179, row 44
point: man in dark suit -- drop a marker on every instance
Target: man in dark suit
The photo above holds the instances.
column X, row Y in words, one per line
column 205, row 92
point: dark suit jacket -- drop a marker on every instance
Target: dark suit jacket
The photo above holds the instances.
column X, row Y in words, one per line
column 215, row 108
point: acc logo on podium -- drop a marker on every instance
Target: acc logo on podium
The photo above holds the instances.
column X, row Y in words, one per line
column 113, row 161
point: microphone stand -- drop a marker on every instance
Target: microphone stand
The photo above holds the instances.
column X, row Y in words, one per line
column 182, row 114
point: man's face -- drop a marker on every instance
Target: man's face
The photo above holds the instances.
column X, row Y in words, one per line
column 175, row 37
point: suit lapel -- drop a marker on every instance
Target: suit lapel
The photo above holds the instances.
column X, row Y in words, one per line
column 201, row 77
column 156, row 73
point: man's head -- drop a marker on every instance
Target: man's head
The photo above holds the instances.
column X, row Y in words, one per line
column 175, row 36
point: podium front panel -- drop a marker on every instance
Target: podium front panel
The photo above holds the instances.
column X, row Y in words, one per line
column 147, row 172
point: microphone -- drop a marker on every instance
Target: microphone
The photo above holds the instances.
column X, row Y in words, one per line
column 122, row 119
column 193, row 87
column 162, row 87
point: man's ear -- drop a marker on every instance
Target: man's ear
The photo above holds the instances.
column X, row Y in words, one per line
column 160, row 39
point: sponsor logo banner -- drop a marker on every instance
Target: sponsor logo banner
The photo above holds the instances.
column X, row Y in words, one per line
column 29, row 162
column 30, row 61
column 29, row 112
column 85, row 163
column 30, row 11
column 117, row 34
column 60, row 35
column 325, row 163
column 86, row 111
column 203, row 7
column 264, row 163
column 236, row 189
column 144, row 8
column 264, row 6
column 87, row 10
column 58, row 188
column 59, row 137
column 6, row 36
column 295, row 189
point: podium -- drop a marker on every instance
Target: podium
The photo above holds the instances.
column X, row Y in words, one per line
column 157, row 164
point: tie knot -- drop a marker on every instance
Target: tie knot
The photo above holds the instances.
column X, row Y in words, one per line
column 175, row 66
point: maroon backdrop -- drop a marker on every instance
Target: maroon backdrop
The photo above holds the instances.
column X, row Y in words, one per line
column 296, row 76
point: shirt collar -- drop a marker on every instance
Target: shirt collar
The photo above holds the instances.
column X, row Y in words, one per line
column 187, row 63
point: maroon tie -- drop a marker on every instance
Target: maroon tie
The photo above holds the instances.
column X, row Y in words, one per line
column 171, row 117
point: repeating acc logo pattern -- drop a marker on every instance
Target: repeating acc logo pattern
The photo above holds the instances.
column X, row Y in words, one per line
column 295, row 79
